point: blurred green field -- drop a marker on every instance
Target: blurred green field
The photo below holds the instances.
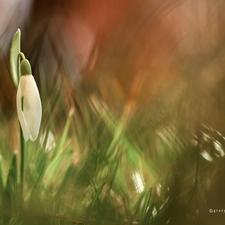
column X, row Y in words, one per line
column 93, row 164
column 135, row 137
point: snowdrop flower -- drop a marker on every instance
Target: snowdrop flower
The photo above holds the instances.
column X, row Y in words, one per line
column 29, row 108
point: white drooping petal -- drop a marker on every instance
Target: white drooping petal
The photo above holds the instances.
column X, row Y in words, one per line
column 29, row 107
column 26, row 132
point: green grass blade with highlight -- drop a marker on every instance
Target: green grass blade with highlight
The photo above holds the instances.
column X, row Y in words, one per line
column 64, row 137
column 54, row 164
column 93, row 203
column 145, row 210
column 40, row 175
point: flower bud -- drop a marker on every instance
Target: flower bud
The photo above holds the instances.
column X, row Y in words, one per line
column 29, row 108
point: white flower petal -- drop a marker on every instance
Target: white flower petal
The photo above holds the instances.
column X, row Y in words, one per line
column 26, row 133
column 30, row 115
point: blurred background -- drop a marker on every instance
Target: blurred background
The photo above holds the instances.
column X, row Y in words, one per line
column 158, row 63
column 138, row 48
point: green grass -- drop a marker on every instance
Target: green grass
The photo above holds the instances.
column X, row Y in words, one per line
column 87, row 174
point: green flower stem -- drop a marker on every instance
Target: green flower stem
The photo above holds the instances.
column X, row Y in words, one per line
column 22, row 161
column 22, row 55
column 22, row 144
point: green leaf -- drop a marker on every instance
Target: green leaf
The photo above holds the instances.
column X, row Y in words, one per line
column 145, row 210
column 65, row 181
column 51, row 170
column 93, row 203
column 40, row 174
column 64, row 137
column 12, row 179
column 14, row 58
column 10, row 198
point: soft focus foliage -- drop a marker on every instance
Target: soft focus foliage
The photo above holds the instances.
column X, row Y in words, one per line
column 133, row 122
column 92, row 165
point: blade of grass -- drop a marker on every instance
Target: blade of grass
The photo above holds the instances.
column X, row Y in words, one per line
column 10, row 194
column 93, row 203
column 146, row 206
column 54, row 164
column 65, row 181
column 40, row 175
